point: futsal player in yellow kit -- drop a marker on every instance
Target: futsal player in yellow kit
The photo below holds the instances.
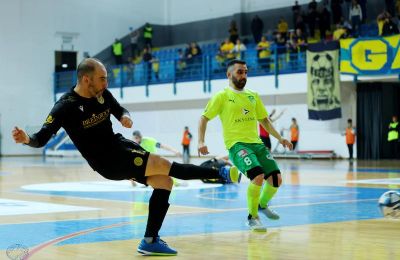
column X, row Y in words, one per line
column 240, row 110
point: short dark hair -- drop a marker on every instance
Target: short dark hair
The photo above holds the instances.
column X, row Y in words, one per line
column 137, row 133
column 233, row 62
column 349, row 120
column 87, row 66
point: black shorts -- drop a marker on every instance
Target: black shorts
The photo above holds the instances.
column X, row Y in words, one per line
column 127, row 162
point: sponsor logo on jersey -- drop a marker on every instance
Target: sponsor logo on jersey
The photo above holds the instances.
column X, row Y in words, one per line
column 96, row 119
column 81, row 108
column 243, row 153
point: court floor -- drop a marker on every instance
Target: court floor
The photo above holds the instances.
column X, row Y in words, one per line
column 58, row 208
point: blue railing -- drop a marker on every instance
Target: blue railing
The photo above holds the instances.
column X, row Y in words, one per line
column 204, row 68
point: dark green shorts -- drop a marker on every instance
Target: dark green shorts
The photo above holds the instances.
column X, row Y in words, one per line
column 248, row 156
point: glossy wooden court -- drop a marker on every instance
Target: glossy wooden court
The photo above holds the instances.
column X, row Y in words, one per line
column 58, row 208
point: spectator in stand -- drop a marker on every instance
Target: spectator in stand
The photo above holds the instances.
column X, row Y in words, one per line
column 355, row 17
column 280, row 43
column 134, row 39
column 181, row 64
column 336, row 9
column 257, row 27
column 312, row 17
column 226, row 50
column 117, row 51
column 148, row 35
column 239, row 50
column 380, row 20
column 264, row 54
column 291, row 46
column 324, row 22
column 389, row 27
column 296, row 10
column 194, row 53
column 147, row 59
column 300, row 23
column 283, row 27
column 340, row 32
column 301, row 41
column 233, row 32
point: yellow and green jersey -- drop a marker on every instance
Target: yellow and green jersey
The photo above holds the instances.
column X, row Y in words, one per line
column 239, row 112
column 149, row 144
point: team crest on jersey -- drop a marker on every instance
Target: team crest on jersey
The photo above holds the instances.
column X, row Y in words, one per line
column 100, row 100
column 243, row 153
column 245, row 111
column 49, row 120
column 138, row 161
column 81, row 108
column 252, row 99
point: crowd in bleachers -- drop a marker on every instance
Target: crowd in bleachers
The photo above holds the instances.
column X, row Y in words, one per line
column 281, row 48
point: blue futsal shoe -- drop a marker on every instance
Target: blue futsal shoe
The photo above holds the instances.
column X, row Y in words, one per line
column 230, row 174
column 158, row 247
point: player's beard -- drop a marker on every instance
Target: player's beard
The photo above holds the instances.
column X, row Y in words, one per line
column 239, row 83
column 93, row 91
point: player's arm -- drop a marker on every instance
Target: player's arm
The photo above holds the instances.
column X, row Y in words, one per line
column 202, row 147
column 266, row 123
column 170, row 149
column 49, row 128
column 120, row 113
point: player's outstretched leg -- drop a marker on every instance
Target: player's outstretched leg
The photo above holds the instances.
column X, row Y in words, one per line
column 193, row 172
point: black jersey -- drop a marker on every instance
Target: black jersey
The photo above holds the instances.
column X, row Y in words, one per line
column 87, row 122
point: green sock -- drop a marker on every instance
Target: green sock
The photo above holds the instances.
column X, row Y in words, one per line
column 253, row 194
column 267, row 193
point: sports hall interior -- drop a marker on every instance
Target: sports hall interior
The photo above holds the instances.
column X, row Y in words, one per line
column 54, row 206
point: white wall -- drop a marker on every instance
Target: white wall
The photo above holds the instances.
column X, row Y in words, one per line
column 28, row 42
column 166, row 125
column 200, row 10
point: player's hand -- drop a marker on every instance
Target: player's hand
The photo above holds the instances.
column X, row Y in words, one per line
column 126, row 121
column 19, row 136
column 202, row 149
column 286, row 143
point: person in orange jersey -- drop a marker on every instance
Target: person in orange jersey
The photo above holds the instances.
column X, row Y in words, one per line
column 350, row 137
column 187, row 137
column 294, row 133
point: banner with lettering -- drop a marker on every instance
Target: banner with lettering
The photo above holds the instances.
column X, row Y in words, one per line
column 370, row 56
column 323, row 94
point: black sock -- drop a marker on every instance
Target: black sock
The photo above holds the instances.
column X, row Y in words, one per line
column 192, row 172
column 158, row 207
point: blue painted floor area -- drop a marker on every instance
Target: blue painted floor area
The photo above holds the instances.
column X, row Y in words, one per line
column 234, row 196
column 297, row 205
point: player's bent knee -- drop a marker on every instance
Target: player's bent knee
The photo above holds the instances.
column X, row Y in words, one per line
column 160, row 182
column 275, row 180
column 258, row 180
column 157, row 165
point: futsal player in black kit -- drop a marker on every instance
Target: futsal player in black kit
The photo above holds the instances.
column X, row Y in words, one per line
column 84, row 112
